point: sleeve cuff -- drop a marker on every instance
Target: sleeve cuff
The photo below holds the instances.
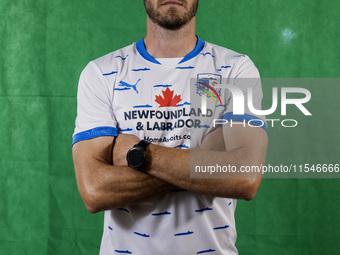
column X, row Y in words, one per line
column 95, row 132
column 249, row 119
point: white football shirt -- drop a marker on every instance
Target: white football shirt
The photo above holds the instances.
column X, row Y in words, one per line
column 128, row 91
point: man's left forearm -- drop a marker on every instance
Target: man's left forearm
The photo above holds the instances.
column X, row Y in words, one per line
column 173, row 166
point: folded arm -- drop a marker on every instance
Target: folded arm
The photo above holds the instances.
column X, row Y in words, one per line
column 240, row 146
column 104, row 186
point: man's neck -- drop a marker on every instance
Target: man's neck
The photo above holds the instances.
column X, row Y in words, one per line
column 163, row 43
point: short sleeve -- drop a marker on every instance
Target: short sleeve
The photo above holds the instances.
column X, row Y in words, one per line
column 247, row 79
column 94, row 107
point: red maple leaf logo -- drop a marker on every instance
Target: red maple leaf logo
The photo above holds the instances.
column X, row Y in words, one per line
column 168, row 98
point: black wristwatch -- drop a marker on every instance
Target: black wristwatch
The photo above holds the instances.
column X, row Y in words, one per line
column 136, row 155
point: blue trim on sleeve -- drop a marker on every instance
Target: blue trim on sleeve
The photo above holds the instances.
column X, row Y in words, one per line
column 245, row 117
column 199, row 46
column 142, row 51
column 95, row 132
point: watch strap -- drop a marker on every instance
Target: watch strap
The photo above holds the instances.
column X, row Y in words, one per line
column 143, row 144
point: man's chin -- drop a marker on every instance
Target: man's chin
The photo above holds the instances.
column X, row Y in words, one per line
column 173, row 27
column 173, row 12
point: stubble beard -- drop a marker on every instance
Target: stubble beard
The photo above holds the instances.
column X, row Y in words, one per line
column 171, row 20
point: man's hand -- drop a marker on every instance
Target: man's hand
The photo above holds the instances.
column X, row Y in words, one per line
column 123, row 143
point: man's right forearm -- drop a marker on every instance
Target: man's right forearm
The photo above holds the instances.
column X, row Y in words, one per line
column 119, row 186
column 104, row 186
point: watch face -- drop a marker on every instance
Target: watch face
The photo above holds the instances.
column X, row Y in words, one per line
column 135, row 157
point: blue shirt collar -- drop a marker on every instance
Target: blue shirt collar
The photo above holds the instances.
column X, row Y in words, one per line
column 142, row 51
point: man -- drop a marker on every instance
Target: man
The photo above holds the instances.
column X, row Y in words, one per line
column 142, row 91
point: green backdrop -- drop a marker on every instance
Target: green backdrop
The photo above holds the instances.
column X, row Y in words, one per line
column 44, row 45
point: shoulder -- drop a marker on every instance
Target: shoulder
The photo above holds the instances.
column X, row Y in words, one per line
column 113, row 61
column 238, row 62
column 103, row 70
column 224, row 53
